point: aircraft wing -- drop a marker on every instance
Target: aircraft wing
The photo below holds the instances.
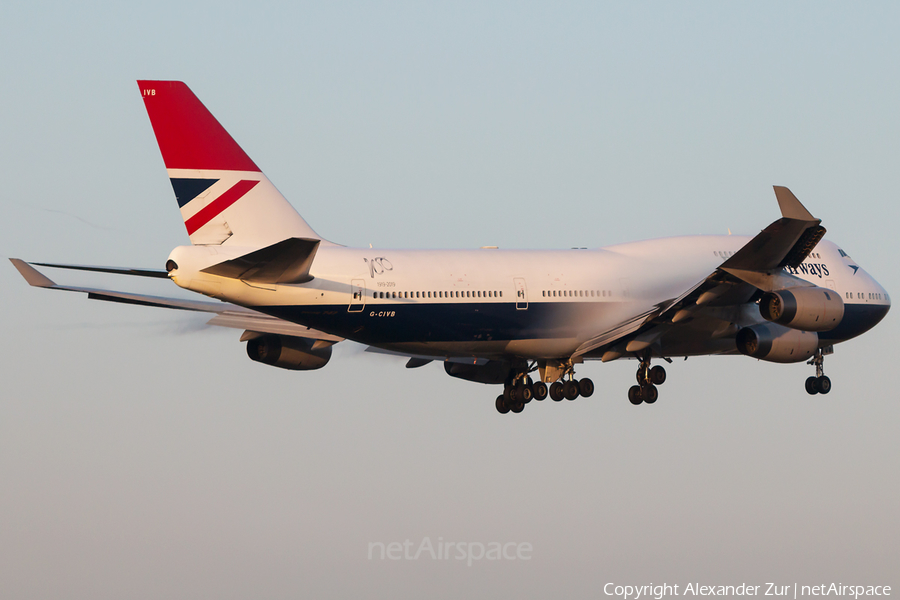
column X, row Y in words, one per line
column 419, row 360
column 757, row 267
column 227, row 315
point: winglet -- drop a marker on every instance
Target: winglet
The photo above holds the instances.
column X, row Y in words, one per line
column 790, row 206
column 31, row 275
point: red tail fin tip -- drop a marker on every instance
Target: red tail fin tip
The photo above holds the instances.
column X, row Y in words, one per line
column 189, row 136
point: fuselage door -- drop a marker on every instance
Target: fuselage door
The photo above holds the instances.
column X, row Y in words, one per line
column 521, row 293
column 357, row 295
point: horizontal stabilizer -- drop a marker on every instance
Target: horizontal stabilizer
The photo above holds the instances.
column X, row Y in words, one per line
column 288, row 261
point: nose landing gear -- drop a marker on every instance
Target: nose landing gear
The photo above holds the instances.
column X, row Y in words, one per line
column 820, row 384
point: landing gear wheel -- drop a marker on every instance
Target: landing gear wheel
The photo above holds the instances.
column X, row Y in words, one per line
column 650, row 394
column 811, row 387
column 820, row 384
column 508, row 394
column 634, row 395
column 586, row 387
column 502, row 406
column 540, row 390
column 513, row 396
column 556, row 391
column 524, row 392
column 517, row 407
column 657, row 375
column 570, row 389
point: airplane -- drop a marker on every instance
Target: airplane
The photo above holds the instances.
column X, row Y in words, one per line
column 492, row 316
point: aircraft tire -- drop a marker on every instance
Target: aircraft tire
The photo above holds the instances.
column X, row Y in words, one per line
column 650, row 394
column 635, row 396
column 658, row 375
column 812, row 387
column 570, row 389
column 823, row 384
column 501, row 405
column 556, row 391
column 586, row 387
column 524, row 393
column 517, row 406
column 513, row 395
column 540, row 390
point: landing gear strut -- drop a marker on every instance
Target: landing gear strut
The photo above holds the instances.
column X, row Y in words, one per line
column 647, row 378
column 820, row 384
column 519, row 390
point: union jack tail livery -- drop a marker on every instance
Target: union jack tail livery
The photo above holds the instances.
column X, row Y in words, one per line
column 223, row 196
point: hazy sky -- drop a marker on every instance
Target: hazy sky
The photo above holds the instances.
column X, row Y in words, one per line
column 143, row 455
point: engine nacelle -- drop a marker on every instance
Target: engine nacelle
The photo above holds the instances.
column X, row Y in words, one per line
column 806, row 308
column 288, row 352
column 775, row 343
column 493, row 371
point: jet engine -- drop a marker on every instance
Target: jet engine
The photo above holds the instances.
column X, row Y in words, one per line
column 494, row 371
column 775, row 343
column 807, row 308
column 288, row 352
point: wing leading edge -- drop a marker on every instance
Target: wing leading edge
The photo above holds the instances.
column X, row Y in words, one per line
column 227, row 315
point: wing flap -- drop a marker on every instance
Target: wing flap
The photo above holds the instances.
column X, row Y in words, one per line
column 613, row 335
column 260, row 323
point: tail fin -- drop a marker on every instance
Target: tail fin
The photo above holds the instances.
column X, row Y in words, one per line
column 222, row 194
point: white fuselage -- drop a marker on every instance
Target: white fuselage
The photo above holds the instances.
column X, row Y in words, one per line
column 525, row 303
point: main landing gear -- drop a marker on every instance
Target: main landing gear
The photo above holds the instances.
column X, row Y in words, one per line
column 820, row 384
column 647, row 378
column 521, row 390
